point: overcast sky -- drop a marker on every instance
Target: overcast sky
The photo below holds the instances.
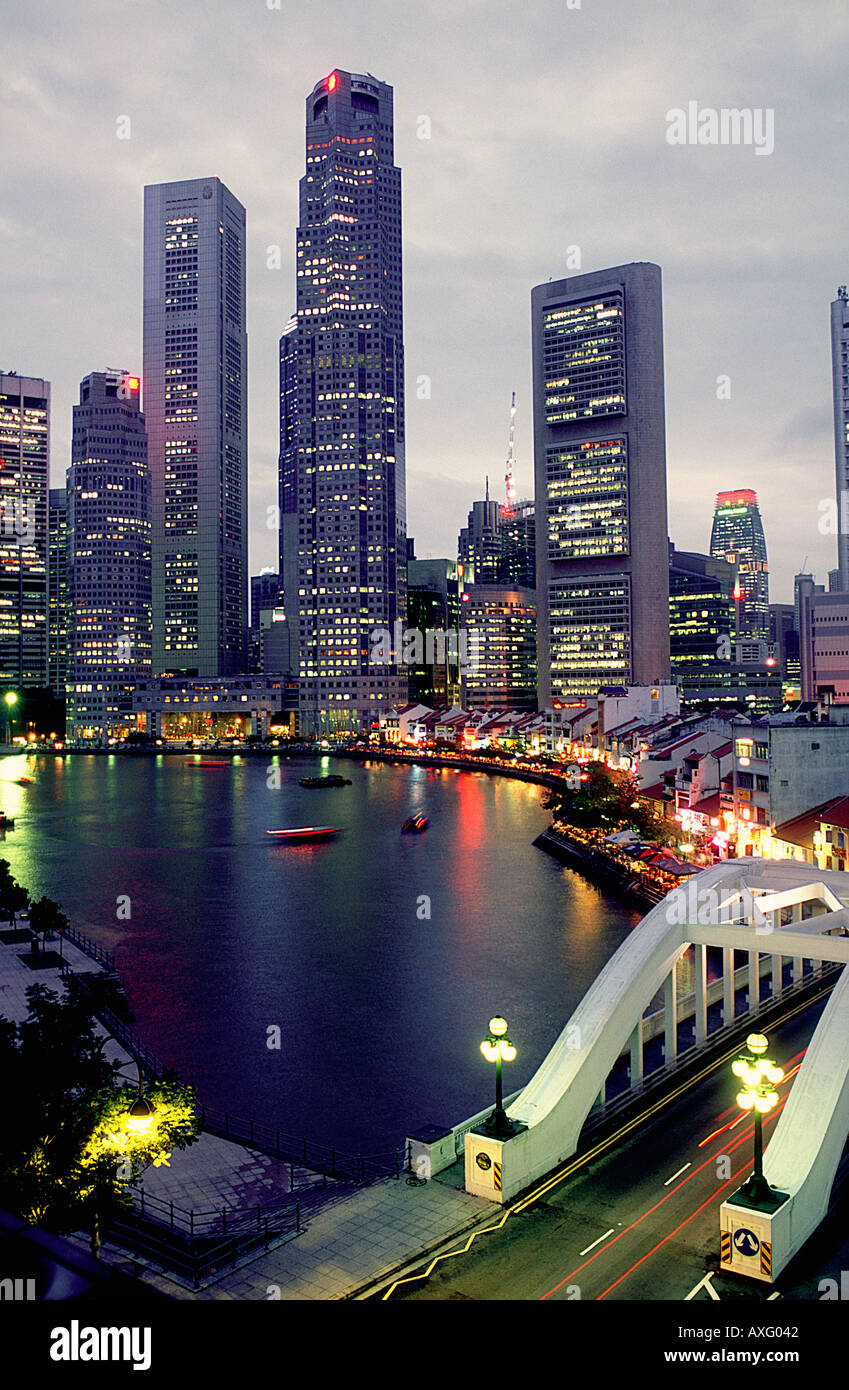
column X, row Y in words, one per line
column 548, row 129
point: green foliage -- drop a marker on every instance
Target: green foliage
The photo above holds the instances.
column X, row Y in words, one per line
column 66, row 1151
column 604, row 801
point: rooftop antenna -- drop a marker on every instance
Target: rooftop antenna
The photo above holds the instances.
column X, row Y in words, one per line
column 487, row 487
column 509, row 485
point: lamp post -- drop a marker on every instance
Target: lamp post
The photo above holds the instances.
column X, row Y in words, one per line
column 11, row 700
column 759, row 1077
column 139, row 1119
column 497, row 1048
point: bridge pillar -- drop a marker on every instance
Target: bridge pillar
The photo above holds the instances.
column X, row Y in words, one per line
column 754, row 981
column 637, row 1055
column 700, row 971
column 798, row 965
column 670, row 1016
column 727, row 985
column 777, row 976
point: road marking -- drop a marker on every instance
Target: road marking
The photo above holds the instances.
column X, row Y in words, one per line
column 570, row 1168
column 737, row 1122
column 598, row 1242
column 773, row 1295
column 678, row 1174
column 704, row 1284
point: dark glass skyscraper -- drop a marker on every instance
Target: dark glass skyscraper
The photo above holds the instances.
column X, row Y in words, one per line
column 109, row 554
column 738, row 537
column 24, row 472
column 600, row 465
column 342, row 485
column 195, row 404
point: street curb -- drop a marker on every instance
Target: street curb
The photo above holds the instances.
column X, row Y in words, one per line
column 412, row 1263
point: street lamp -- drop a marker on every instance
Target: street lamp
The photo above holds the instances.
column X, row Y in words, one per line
column 497, row 1048
column 11, row 700
column 759, row 1077
column 140, row 1117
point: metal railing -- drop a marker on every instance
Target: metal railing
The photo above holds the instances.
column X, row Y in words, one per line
column 90, row 948
column 197, row 1256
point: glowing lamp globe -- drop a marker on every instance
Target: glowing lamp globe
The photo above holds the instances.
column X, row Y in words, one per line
column 508, row 1051
column 140, row 1116
column 745, row 1100
column 498, row 1026
column 757, row 1043
column 490, row 1051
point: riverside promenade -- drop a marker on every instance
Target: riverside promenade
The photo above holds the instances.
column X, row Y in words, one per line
column 353, row 1239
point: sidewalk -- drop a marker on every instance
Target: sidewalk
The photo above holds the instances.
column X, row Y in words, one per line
column 352, row 1239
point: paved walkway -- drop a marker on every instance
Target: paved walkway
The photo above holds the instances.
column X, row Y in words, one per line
column 352, row 1239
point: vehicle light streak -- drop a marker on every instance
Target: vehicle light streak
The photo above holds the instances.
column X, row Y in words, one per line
column 707, row 1163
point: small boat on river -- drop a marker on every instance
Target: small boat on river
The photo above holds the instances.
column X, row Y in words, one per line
column 333, row 780
column 414, row 824
column 305, row 834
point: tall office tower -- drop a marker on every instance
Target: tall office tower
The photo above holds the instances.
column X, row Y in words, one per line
column 701, row 615
column 265, row 595
column 784, row 642
column 195, row 405
column 109, row 554
column 342, row 479
column 57, row 590
column 738, row 537
column 840, row 379
column 479, row 542
column 600, row 467
column 434, row 603
column 501, row 669
column 518, row 559
column 24, row 474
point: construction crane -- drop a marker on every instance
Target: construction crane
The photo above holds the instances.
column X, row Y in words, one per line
column 509, row 485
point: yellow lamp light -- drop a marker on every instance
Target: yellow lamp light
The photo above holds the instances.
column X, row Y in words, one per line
column 745, row 1100
column 507, row 1050
column 498, row 1026
column 140, row 1116
column 757, row 1043
column 490, row 1050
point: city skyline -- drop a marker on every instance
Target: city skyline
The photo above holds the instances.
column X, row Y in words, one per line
column 746, row 286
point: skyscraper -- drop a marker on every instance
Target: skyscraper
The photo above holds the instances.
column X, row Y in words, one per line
column 24, row 474
column 840, row 379
column 57, row 589
column 109, row 559
column 479, row 543
column 600, row 467
column 342, row 481
column 195, row 405
column 738, row 537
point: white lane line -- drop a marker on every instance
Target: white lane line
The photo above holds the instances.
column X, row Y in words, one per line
column 678, row 1174
column 704, row 1284
column 777, row 1294
column 598, row 1242
column 738, row 1122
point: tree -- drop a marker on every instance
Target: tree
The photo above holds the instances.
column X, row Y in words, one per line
column 67, row 1151
column 46, row 918
column 603, row 799
column 13, row 898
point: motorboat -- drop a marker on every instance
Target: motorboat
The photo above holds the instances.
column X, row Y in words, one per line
column 305, row 834
column 413, row 824
column 332, row 780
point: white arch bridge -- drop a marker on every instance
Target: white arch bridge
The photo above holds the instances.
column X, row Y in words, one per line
column 783, row 915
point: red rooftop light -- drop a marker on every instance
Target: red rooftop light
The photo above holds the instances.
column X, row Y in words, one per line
column 331, row 82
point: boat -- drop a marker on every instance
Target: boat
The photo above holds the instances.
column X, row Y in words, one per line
column 6, row 821
column 25, row 781
column 305, row 834
column 209, row 763
column 333, row 780
column 414, row 824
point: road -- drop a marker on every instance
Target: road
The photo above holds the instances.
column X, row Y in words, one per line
column 640, row 1220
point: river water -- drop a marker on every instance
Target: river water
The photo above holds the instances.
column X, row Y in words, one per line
column 379, row 957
